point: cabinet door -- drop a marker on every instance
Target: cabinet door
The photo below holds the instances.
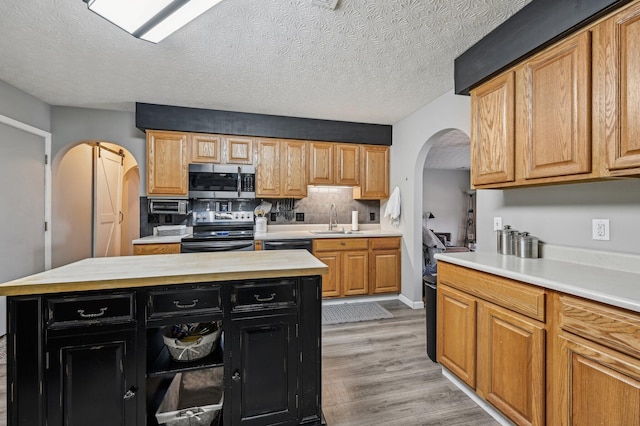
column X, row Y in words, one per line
column 88, row 368
column 355, row 273
column 330, row 280
column 268, row 168
column 456, row 336
column 263, row 371
column 385, row 271
column 321, row 163
column 554, row 116
column 294, row 174
column 511, row 364
column 599, row 386
column 374, row 183
column 238, row 150
column 347, row 164
column 167, row 164
column 492, row 131
column 616, row 62
column 205, row 148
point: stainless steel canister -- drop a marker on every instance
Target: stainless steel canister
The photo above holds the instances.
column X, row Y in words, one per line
column 526, row 246
column 504, row 240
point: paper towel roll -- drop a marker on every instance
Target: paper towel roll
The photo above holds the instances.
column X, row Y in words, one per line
column 354, row 220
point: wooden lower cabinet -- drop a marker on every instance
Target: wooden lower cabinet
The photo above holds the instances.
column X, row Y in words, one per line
column 456, row 331
column 539, row 356
column 359, row 266
column 600, row 386
column 163, row 248
column 511, row 363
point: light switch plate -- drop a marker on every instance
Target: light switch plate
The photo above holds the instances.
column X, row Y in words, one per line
column 497, row 223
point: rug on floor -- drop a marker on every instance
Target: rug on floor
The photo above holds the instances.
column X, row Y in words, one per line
column 3, row 349
column 353, row 312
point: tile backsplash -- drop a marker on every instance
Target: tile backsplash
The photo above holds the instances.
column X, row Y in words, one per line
column 318, row 202
column 315, row 208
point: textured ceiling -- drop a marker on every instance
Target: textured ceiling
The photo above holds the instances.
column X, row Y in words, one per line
column 372, row 61
column 450, row 151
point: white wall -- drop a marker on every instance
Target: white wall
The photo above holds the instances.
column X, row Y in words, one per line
column 562, row 214
column 412, row 139
column 21, row 106
column 444, row 196
column 72, row 214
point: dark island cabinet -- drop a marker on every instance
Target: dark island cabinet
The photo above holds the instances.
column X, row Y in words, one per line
column 263, row 367
column 97, row 357
column 92, row 380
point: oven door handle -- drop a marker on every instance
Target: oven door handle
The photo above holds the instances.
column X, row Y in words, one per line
column 217, row 246
column 239, row 181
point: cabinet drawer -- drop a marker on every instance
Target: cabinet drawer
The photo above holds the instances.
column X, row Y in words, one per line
column 264, row 294
column 181, row 301
column 522, row 298
column 84, row 310
column 384, row 243
column 611, row 327
column 333, row 244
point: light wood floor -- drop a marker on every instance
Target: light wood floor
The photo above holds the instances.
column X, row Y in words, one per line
column 378, row 373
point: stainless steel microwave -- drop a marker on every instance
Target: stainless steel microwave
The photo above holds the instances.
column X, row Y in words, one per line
column 169, row 206
column 222, row 181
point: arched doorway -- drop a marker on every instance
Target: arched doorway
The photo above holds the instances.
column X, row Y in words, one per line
column 75, row 204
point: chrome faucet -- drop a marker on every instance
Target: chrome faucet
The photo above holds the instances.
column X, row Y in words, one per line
column 333, row 222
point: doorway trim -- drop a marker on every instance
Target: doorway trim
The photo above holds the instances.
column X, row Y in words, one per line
column 47, row 180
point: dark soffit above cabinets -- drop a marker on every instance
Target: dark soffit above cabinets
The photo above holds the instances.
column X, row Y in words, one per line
column 535, row 26
column 183, row 119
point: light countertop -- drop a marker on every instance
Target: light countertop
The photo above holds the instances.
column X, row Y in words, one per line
column 616, row 287
column 165, row 269
column 155, row 239
column 295, row 232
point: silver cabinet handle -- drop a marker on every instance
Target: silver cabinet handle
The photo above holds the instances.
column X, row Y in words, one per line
column 179, row 306
column 95, row 315
column 130, row 393
column 264, row 299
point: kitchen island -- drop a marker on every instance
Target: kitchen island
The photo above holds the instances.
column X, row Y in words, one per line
column 85, row 341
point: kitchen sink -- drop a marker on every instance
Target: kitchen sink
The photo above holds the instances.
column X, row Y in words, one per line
column 335, row 232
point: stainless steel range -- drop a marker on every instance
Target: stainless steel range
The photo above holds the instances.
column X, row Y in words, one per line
column 215, row 231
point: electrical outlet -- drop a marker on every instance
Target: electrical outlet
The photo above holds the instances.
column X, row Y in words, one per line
column 600, row 229
column 299, row 217
column 372, row 216
column 272, row 217
column 497, row 223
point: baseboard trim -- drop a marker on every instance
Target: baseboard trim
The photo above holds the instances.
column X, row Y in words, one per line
column 358, row 299
column 410, row 303
column 498, row 416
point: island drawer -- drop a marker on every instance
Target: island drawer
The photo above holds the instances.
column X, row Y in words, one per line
column 70, row 311
column 179, row 301
column 264, row 294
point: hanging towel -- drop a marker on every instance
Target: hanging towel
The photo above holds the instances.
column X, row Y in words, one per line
column 393, row 207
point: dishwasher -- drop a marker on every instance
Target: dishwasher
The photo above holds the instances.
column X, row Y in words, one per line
column 294, row 244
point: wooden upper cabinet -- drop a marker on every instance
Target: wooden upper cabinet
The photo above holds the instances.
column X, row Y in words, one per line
column 617, row 75
column 554, row 110
column 268, row 168
column 238, row 150
column 321, row 157
column 167, row 163
column 205, row 148
column 281, row 171
column 294, row 169
column 492, row 131
column 347, row 164
column 374, row 181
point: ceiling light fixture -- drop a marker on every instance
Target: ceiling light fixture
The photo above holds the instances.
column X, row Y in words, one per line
column 150, row 20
